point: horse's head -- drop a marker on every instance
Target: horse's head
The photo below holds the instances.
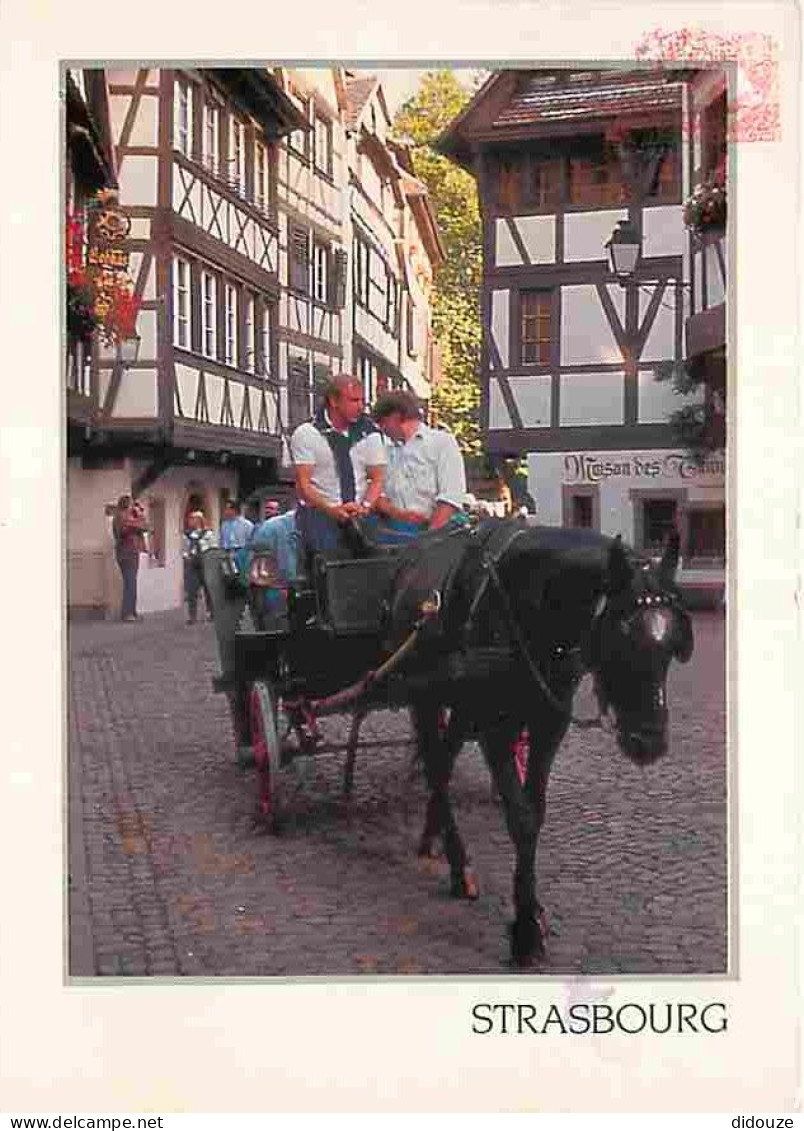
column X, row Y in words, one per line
column 639, row 627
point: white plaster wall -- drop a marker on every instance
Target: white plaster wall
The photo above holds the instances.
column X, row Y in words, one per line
column 137, row 395
column 586, row 337
column 138, row 180
column 586, row 233
column 661, row 343
column 146, row 123
column 532, row 396
column 663, row 231
column 140, row 228
column 499, row 418
column 538, row 235
column 134, row 264
column 592, row 398
column 500, row 315
column 147, row 329
column 88, row 493
column 187, row 384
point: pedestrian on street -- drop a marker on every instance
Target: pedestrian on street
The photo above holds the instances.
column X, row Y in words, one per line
column 339, row 460
column 128, row 530
column 236, row 530
column 425, row 481
column 198, row 538
column 272, row 508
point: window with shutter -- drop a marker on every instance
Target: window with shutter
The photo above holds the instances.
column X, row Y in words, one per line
column 298, row 391
column 300, row 259
column 410, row 328
column 339, row 268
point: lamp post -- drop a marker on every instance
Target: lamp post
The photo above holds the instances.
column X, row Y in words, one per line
column 624, row 247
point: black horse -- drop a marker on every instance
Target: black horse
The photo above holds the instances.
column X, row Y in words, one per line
column 515, row 616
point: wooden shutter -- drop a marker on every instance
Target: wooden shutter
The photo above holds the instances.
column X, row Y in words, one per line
column 298, row 391
column 411, row 328
column 322, row 375
column 337, row 278
column 299, row 259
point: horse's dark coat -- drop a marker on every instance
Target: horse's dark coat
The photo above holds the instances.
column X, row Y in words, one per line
column 563, row 601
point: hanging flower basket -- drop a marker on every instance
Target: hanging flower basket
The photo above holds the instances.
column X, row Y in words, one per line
column 705, row 209
column 97, row 298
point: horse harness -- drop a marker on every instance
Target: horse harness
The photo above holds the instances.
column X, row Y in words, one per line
column 490, row 561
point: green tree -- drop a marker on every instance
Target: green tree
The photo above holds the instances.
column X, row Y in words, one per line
column 699, row 427
column 456, row 300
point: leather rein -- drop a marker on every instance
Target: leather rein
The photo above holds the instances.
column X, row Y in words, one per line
column 490, row 562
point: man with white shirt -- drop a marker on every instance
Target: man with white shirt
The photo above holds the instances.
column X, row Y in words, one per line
column 339, row 460
column 425, row 481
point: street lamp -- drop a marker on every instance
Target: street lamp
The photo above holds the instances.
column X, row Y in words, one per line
column 624, row 248
column 128, row 350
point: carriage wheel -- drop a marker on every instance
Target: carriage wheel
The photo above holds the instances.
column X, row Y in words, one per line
column 265, row 740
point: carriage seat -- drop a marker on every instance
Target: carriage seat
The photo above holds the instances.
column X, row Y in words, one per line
column 350, row 592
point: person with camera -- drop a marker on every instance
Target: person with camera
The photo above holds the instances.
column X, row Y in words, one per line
column 128, row 530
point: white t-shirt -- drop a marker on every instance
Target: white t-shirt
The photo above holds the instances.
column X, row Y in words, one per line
column 310, row 448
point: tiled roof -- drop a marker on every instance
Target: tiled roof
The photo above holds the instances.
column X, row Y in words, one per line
column 554, row 97
column 358, row 92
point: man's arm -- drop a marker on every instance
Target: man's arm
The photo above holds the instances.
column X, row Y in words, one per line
column 376, row 480
column 312, row 497
column 450, row 480
column 386, row 508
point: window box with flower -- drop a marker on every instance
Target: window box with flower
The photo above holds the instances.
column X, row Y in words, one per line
column 705, row 208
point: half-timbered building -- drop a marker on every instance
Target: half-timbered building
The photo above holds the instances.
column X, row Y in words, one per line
column 89, row 168
column 312, row 200
column 197, row 415
column 570, row 349
column 395, row 250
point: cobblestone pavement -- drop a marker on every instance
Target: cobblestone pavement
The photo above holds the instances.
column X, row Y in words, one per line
column 170, row 877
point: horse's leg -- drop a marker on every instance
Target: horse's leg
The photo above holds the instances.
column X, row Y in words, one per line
column 546, row 731
column 451, row 735
column 438, row 755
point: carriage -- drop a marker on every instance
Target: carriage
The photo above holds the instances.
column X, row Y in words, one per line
column 484, row 633
column 283, row 673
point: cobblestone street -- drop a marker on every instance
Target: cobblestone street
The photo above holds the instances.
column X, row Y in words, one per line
column 169, row 875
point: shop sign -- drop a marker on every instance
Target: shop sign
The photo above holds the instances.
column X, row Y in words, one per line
column 582, row 468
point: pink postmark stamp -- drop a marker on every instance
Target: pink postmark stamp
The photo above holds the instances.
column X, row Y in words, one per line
column 753, row 112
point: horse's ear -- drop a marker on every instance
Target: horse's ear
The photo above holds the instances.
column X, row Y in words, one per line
column 669, row 563
column 619, row 569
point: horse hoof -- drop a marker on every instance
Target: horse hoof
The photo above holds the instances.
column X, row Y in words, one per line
column 465, row 886
column 527, row 940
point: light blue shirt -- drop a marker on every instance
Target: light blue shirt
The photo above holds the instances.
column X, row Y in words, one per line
column 425, row 471
column 235, row 533
column 279, row 536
